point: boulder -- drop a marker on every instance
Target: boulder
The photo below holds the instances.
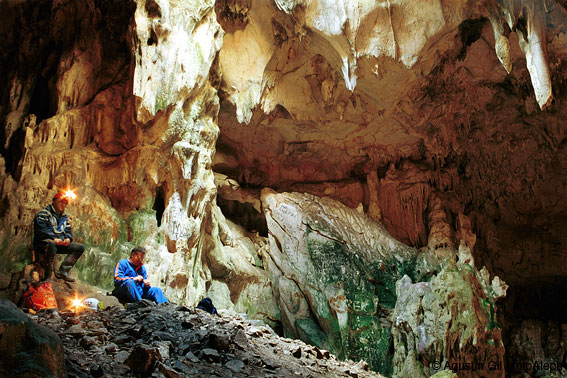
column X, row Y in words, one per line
column 28, row 350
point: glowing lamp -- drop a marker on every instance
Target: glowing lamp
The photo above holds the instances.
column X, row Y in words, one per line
column 70, row 194
column 76, row 304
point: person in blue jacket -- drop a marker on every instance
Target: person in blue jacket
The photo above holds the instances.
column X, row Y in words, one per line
column 52, row 234
column 131, row 280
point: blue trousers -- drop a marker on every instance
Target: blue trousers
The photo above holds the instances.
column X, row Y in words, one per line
column 131, row 291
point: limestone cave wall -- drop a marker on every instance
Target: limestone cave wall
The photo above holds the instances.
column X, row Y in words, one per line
column 118, row 100
column 443, row 122
column 435, row 129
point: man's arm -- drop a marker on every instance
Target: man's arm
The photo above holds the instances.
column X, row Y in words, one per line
column 68, row 230
column 120, row 273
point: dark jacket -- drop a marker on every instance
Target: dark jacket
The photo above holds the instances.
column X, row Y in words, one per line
column 47, row 225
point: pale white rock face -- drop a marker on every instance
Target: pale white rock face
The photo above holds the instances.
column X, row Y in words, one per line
column 176, row 44
column 320, row 257
column 363, row 40
column 244, row 58
column 374, row 30
column 177, row 47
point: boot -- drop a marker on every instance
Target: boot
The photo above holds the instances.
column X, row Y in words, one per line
column 65, row 267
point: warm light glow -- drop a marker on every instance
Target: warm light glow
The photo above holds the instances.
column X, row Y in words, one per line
column 76, row 304
column 70, row 194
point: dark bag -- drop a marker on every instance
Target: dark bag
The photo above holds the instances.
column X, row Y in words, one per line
column 40, row 296
column 207, row 305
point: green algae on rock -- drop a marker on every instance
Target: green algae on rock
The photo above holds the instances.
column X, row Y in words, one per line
column 345, row 284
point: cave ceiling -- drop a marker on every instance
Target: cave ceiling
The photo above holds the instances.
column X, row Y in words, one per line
column 397, row 108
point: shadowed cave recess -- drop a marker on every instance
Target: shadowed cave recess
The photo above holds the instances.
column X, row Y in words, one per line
column 385, row 181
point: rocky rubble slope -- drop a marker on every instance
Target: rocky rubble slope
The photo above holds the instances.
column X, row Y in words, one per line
column 177, row 341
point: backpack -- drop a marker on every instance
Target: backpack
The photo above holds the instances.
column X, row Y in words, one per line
column 207, row 305
column 40, row 296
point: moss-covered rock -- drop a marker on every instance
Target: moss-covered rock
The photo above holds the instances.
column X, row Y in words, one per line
column 15, row 253
column 343, row 283
column 106, row 238
column 344, row 266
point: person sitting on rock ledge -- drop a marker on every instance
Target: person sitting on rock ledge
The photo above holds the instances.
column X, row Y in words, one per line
column 131, row 280
column 52, row 234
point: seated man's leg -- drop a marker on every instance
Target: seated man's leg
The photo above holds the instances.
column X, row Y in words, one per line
column 50, row 250
column 154, row 294
column 129, row 292
column 73, row 251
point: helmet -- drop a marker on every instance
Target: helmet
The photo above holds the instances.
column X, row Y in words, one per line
column 91, row 304
column 67, row 195
column 60, row 195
